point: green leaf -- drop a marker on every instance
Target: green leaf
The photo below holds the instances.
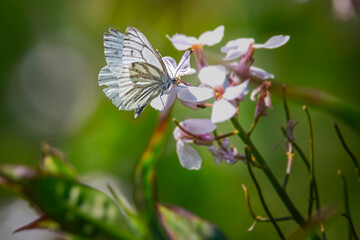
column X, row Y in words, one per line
column 182, row 224
column 54, row 163
column 80, row 209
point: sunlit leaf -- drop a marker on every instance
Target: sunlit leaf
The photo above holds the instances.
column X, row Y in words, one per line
column 54, row 163
column 79, row 209
column 41, row 222
column 182, row 224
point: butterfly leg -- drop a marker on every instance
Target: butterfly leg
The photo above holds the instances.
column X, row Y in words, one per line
column 138, row 111
column 162, row 100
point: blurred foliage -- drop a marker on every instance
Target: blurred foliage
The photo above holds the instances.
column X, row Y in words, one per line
column 51, row 53
column 77, row 211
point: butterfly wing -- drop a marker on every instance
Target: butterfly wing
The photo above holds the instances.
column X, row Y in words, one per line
column 134, row 73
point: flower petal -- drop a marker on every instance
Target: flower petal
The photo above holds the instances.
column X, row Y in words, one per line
column 164, row 101
column 181, row 42
column 260, row 73
column 184, row 65
column 212, row 37
column 222, row 111
column 236, row 92
column 267, row 99
column 274, row 42
column 254, row 92
column 236, row 48
column 213, row 76
column 199, row 126
column 194, row 94
column 188, row 156
column 170, row 64
column 177, row 133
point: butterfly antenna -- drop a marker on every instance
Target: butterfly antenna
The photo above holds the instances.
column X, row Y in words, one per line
column 182, row 63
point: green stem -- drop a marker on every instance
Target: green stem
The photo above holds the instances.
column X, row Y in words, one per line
column 311, row 170
column 320, row 99
column 313, row 189
column 290, row 150
column 347, row 206
column 257, row 185
column 235, row 132
column 263, row 166
column 287, row 112
column 347, row 149
column 253, row 125
column 258, row 218
column 298, row 149
column 145, row 179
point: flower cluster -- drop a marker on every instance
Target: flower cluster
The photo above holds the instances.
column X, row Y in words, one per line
column 227, row 84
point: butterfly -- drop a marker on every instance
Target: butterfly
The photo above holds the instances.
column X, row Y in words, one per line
column 135, row 73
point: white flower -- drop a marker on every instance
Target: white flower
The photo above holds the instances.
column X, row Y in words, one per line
column 182, row 42
column 215, row 78
column 245, row 48
column 238, row 47
column 197, row 131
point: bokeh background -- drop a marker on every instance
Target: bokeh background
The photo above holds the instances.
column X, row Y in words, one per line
column 50, row 56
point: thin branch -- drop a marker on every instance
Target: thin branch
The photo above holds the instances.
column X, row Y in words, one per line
column 311, row 170
column 263, row 165
column 298, row 149
column 290, row 157
column 314, row 194
column 248, row 160
column 294, row 212
column 287, row 112
column 235, row 132
column 290, row 150
column 183, row 129
column 253, row 125
column 221, row 145
column 352, row 231
column 258, row 218
column 347, row 149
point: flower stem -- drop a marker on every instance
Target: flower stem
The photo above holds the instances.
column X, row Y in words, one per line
column 290, row 156
column 235, row 132
column 280, row 191
column 290, row 151
column 145, row 179
column 317, row 98
column 347, row 206
column 183, row 129
column 253, row 125
column 258, row 218
column 199, row 56
column 248, row 160
column 313, row 194
column 298, row 149
column 284, row 197
column 287, row 112
column 347, row 149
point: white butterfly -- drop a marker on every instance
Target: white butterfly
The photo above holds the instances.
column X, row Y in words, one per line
column 135, row 73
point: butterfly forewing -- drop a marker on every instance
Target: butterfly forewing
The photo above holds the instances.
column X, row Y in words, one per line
column 135, row 73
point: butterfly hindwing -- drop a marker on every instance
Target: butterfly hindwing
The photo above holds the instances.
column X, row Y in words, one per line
column 138, row 85
column 134, row 73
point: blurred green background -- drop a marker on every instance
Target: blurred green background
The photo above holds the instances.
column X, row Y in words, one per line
column 51, row 53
